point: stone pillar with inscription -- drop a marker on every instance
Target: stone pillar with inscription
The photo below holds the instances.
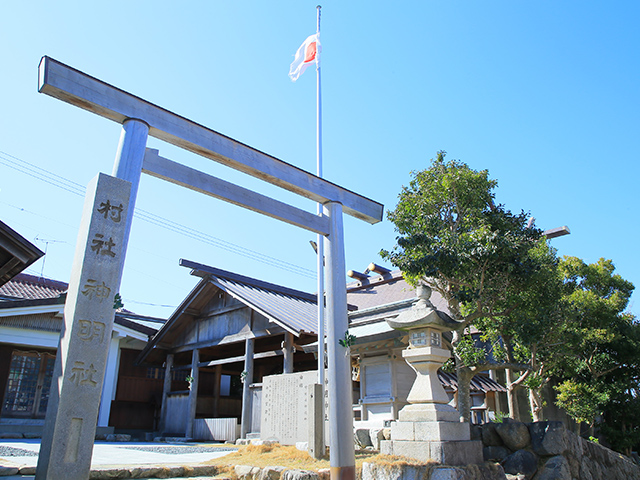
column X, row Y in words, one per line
column 429, row 429
column 68, row 436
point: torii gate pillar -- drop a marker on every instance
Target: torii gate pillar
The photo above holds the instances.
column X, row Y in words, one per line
column 339, row 371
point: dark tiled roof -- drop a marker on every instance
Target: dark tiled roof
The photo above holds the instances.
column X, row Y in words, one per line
column 294, row 310
column 29, row 287
column 386, row 289
column 479, row 383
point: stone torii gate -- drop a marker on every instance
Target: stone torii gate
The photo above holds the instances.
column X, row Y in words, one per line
column 67, row 442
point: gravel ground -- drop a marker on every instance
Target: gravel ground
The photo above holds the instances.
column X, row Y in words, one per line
column 16, row 452
column 178, row 450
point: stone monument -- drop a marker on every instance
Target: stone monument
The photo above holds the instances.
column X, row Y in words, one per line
column 429, row 428
column 70, row 426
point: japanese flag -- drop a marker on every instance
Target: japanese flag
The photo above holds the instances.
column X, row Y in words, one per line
column 307, row 54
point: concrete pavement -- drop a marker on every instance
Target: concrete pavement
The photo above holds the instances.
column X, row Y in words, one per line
column 22, row 453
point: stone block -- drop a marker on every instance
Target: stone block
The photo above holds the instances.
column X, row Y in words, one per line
column 362, row 438
column 246, row 472
column 468, row 452
column 515, row 435
column 522, row 461
column 376, row 471
column 494, row 453
column 299, row 475
column 257, row 441
column 548, row 438
column 446, row 453
column 428, row 412
column 417, row 450
column 271, row 473
column 556, row 468
column 403, row 431
column 376, row 435
column 447, row 473
column 386, row 447
column 29, row 470
column 489, row 435
column 441, row 431
column 6, row 471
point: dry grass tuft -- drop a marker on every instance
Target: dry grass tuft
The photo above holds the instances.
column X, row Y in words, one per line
column 270, row 455
column 290, row 457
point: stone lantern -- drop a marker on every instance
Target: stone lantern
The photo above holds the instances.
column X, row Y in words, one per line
column 429, row 428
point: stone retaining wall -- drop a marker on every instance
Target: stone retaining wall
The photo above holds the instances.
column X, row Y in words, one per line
column 548, row 451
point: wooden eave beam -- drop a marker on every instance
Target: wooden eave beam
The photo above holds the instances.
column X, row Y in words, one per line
column 241, row 358
column 77, row 88
column 235, row 338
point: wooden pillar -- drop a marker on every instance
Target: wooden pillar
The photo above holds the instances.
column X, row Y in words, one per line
column 245, row 425
column 193, row 393
column 342, row 452
column 288, row 353
column 216, row 389
column 166, row 388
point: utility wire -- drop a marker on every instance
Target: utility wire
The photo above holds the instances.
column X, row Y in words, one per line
column 78, row 189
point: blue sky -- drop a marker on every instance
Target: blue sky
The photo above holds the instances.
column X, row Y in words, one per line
column 542, row 94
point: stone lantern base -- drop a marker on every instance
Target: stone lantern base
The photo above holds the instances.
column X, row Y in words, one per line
column 463, row 452
column 432, row 432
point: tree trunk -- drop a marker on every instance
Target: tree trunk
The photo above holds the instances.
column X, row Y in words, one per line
column 514, row 411
column 535, row 401
column 464, row 375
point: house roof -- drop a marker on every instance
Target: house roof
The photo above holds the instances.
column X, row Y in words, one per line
column 294, row 310
column 388, row 288
column 16, row 253
column 46, row 314
column 290, row 309
column 479, row 383
column 38, row 304
column 30, row 287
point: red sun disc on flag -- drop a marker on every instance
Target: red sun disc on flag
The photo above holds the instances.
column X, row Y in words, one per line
column 310, row 54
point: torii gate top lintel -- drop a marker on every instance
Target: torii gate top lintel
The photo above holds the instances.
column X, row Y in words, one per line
column 77, row 88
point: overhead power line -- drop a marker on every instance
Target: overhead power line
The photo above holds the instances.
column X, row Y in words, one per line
column 72, row 187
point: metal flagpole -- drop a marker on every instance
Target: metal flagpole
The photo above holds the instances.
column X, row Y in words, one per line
column 320, row 239
column 320, row 213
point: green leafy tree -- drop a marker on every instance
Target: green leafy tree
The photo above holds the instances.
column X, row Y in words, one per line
column 454, row 238
column 601, row 365
column 531, row 334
